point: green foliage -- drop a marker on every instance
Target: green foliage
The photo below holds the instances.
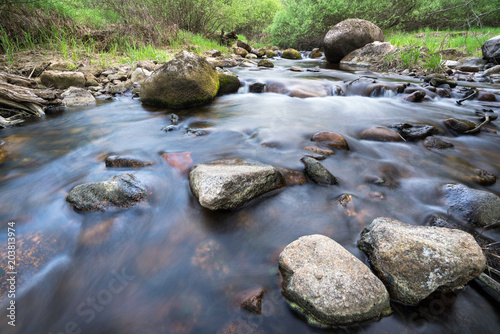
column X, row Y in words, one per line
column 249, row 17
column 304, row 23
column 434, row 63
column 409, row 57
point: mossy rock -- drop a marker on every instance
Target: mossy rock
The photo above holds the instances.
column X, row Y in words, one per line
column 228, row 84
column 270, row 54
column 265, row 63
column 186, row 81
column 291, row 54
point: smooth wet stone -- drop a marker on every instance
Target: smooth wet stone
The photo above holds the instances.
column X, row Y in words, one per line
column 486, row 96
column 381, row 134
column 127, row 161
column 436, row 143
column 415, row 261
column 122, row 191
column 416, row 96
column 317, row 172
column 331, row 139
column 472, row 174
column 477, row 207
column 257, row 87
column 230, row 184
column 320, row 150
column 322, row 280
column 459, row 126
column 296, row 69
column 414, row 132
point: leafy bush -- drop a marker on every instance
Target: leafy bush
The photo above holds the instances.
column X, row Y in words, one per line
column 304, row 23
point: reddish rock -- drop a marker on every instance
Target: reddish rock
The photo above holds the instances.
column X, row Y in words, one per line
column 250, row 300
column 315, row 149
column 331, row 139
column 416, row 96
column 293, row 177
column 379, row 133
column 486, row 96
column 181, row 161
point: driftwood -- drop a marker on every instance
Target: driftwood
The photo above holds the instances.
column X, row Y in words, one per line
column 17, row 80
column 19, row 99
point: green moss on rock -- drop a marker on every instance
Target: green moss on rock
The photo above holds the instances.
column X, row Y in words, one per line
column 291, row 54
column 186, row 81
column 228, row 84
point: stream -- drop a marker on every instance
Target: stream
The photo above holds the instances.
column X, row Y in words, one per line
column 167, row 265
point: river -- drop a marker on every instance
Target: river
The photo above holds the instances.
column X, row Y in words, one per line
column 167, row 265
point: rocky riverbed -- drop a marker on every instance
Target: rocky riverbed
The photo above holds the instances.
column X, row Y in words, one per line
column 286, row 197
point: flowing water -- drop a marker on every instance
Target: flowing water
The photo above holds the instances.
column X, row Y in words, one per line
column 169, row 266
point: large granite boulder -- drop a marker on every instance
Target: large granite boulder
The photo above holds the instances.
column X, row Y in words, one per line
column 477, row 207
column 415, row 261
column 349, row 35
column 122, row 191
column 491, row 50
column 329, row 285
column 230, row 184
column 62, row 79
column 186, row 81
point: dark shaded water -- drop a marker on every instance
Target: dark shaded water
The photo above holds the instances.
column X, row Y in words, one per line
column 170, row 266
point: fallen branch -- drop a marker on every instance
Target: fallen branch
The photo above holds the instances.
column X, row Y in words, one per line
column 5, row 122
column 459, row 102
column 477, row 128
column 17, row 80
column 490, row 282
column 363, row 76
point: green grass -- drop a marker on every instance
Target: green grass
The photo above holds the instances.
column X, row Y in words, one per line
column 422, row 47
column 468, row 42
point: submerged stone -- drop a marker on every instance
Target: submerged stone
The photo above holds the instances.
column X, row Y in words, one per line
column 477, row 207
column 122, row 191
